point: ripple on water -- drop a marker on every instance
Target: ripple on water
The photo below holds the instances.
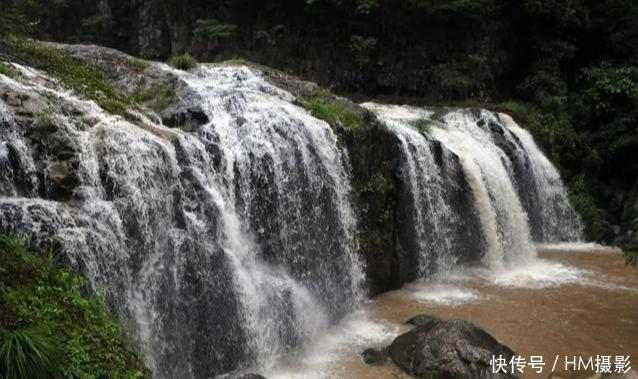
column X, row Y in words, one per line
column 354, row 333
column 444, row 294
column 539, row 273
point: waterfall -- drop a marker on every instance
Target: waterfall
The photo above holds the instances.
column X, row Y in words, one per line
column 551, row 216
column 224, row 243
column 221, row 246
column 508, row 177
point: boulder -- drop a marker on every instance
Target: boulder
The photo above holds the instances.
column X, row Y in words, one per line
column 437, row 348
column 374, row 356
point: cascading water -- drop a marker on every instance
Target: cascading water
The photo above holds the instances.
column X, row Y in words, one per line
column 495, row 155
column 221, row 246
column 226, row 242
column 541, row 189
column 429, row 172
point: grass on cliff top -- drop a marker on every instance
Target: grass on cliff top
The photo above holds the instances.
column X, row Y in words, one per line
column 63, row 331
column 333, row 113
column 182, row 62
column 87, row 81
column 8, row 70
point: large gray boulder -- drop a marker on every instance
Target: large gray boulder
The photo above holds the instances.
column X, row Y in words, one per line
column 437, row 348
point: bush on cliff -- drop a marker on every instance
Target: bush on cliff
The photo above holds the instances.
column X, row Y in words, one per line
column 61, row 327
column 182, row 62
column 333, row 113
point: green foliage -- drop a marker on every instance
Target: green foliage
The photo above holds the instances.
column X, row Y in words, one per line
column 585, row 204
column 27, row 354
column 631, row 258
column 423, row 125
column 156, row 97
column 44, row 119
column 237, row 60
column 13, row 21
column 211, row 28
column 182, row 62
column 333, row 113
column 7, row 70
column 34, row 293
column 87, row 81
column 378, row 184
column 370, row 240
column 140, row 64
column 465, row 78
column 611, row 87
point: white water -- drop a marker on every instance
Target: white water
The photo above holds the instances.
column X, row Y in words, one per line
column 227, row 245
column 171, row 222
column 558, row 220
column 487, row 169
column 433, row 218
column 323, row 357
column 254, row 120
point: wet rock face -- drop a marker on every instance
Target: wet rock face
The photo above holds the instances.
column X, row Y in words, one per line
column 446, row 349
column 188, row 118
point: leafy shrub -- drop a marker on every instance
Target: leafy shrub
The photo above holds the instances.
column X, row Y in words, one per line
column 34, row 293
column 333, row 113
column 612, row 86
column 8, row 70
column 182, row 62
column 584, row 203
column 27, row 354
column 631, row 258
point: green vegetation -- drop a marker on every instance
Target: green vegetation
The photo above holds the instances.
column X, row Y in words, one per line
column 87, row 81
column 51, row 327
column 212, row 28
column 423, row 125
column 156, row 97
column 140, row 64
column 27, row 353
column 7, row 70
column 335, row 114
column 570, row 75
column 44, row 119
column 378, row 183
column 631, row 257
column 182, row 62
column 237, row 60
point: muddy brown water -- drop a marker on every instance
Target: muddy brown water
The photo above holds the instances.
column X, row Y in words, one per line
column 595, row 315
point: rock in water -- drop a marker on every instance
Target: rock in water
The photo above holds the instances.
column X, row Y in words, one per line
column 437, row 348
column 374, row 356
